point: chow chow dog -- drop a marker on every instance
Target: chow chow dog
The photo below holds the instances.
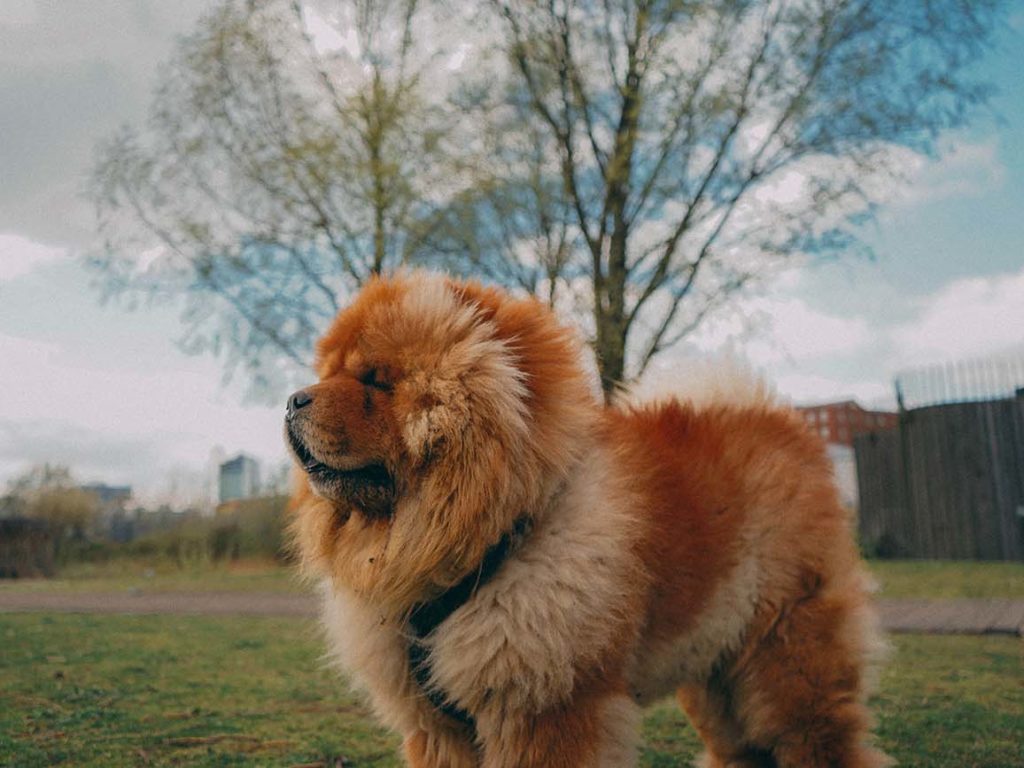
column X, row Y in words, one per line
column 512, row 569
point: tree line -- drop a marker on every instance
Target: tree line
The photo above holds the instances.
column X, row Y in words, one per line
column 66, row 522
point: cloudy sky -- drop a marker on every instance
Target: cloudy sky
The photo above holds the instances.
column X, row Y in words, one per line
column 107, row 391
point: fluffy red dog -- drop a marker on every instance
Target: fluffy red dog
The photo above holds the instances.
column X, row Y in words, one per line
column 512, row 569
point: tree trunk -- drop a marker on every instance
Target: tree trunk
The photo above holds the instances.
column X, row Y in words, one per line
column 610, row 317
column 610, row 347
column 613, row 328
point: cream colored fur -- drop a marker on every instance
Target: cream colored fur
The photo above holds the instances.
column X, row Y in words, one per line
column 620, row 718
column 703, row 383
column 516, row 646
column 690, row 657
column 554, row 607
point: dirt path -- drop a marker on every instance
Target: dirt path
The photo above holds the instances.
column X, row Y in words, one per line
column 978, row 617
column 987, row 616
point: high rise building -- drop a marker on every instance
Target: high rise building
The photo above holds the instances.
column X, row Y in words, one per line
column 239, row 478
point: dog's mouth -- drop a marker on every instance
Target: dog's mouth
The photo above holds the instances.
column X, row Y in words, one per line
column 369, row 486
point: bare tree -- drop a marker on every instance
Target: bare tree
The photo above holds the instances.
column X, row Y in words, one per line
column 508, row 222
column 699, row 143
column 641, row 160
column 274, row 175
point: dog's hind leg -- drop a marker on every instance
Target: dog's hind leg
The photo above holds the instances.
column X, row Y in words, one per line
column 799, row 688
column 708, row 708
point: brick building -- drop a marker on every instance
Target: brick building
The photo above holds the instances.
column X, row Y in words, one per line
column 839, row 423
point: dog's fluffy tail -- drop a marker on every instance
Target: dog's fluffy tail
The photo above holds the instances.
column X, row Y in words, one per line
column 721, row 381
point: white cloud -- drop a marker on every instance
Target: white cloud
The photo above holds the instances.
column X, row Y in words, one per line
column 799, row 332
column 962, row 169
column 786, row 189
column 21, row 355
column 458, row 57
column 804, row 352
column 18, row 13
column 93, row 456
column 969, row 317
column 19, row 255
column 120, row 425
column 782, row 329
column 326, row 35
column 806, row 388
column 71, row 73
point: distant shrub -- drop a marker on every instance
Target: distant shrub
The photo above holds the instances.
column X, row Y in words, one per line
column 252, row 527
column 248, row 528
column 245, row 528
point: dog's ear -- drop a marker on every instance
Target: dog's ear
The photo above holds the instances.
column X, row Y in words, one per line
column 465, row 379
column 438, row 416
column 486, row 397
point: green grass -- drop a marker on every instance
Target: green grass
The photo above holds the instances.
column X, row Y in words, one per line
column 948, row 579
column 898, row 578
column 165, row 576
column 168, row 690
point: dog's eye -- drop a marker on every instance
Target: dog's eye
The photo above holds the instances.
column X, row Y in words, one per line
column 373, row 378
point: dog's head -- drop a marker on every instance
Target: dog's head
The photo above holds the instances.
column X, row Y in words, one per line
column 444, row 411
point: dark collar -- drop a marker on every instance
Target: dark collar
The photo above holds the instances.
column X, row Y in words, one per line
column 424, row 618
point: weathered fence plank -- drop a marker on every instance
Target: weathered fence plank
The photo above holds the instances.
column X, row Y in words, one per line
column 947, row 483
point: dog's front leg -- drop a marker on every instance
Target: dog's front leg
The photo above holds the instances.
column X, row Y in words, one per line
column 595, row 729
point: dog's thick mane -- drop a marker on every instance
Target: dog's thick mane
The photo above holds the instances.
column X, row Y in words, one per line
column 483, row 377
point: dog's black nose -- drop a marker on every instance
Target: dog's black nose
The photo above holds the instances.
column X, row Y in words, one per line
column 300, row 399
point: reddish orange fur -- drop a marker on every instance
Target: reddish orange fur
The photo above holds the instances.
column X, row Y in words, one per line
column 705, row 472
column 729, row 502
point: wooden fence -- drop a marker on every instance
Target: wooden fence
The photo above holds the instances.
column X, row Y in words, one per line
column 947, row 483
column 991, row 378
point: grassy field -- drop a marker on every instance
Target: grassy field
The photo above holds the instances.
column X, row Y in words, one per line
column 898, row 578
column 946, row 579
column 168, row 690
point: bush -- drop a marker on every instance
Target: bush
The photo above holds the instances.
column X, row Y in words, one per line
column 245, row 529
column 250, row 528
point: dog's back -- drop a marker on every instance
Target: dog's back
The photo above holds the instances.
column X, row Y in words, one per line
column 758, row 613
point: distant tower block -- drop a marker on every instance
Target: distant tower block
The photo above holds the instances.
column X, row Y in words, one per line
column 239, row 478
